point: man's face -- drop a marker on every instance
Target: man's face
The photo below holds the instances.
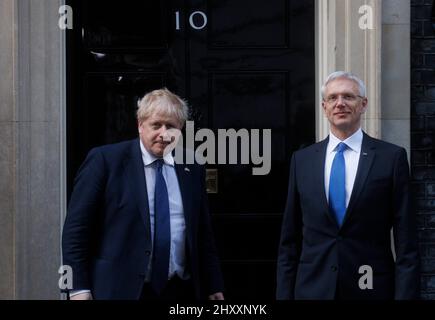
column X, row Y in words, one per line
column 343, row 106
column 157, row 132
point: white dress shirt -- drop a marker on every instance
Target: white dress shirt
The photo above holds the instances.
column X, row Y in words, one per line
column 177, row 258
column 351, row 160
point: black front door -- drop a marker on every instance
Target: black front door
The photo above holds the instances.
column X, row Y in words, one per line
column 240, row 64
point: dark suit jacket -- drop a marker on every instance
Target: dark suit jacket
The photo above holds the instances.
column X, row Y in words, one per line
column 106, row 236
column 317, row 257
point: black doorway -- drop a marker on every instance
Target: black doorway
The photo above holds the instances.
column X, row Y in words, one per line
column 240, row 64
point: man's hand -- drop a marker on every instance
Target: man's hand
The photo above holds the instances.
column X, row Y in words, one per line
column 216, row 296
column 82, row 296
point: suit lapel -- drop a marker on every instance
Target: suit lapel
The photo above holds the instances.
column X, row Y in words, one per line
column 185, row 183
column 319, row 174
column 135, row 175
column 365, row 162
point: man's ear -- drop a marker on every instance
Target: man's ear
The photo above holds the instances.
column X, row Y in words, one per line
column 364, row 105
column 139, row 127
column 324, row 106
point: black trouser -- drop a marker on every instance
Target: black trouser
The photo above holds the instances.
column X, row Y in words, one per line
column 176, row 290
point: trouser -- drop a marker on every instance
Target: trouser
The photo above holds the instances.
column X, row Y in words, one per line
column 176, row 290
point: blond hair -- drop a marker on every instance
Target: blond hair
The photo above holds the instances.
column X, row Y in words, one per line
column 162, row 101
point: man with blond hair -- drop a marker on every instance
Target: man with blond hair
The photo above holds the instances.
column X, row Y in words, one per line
column 138, row 225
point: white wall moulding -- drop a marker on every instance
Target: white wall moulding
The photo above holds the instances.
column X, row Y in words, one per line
column 32, row 102
column 396, row 72
column 7, row 147
column 348, row 37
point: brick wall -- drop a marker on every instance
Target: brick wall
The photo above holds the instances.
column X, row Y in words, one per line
column 423, row 135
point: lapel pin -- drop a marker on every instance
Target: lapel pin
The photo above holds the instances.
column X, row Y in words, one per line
column 364, row 153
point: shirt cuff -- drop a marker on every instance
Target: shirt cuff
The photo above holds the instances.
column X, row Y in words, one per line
column 73, row 293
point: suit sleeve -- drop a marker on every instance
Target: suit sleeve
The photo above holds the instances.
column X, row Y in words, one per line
column 79, row 226
column 210, row 269
column 291, row 240
column 407, row 270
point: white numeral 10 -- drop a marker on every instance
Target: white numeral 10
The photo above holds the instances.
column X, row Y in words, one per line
column 191, row 22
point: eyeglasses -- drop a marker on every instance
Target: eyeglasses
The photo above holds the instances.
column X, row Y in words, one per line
column 346, row 97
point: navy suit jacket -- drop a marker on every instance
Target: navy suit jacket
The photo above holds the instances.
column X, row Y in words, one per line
column 317, row 257
column 106, row 236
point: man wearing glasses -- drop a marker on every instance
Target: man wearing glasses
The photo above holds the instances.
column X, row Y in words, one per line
column 345, row 195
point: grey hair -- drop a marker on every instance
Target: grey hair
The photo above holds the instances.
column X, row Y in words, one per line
column 346, row 75
column 164, row 102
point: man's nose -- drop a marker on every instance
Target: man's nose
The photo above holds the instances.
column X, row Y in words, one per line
column 164, row 133
column 340, row 101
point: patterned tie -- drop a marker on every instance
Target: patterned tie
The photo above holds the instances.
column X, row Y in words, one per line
column 162, row 232
column 337, row 188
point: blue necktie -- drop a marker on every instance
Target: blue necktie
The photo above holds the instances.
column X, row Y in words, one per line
column 162, row 232
column 337, row 187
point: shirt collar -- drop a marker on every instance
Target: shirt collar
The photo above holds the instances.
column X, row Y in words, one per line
column 149, row 158
column 354, row 142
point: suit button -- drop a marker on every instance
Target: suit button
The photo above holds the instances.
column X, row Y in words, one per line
column 334, row 268
column 147, row 253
